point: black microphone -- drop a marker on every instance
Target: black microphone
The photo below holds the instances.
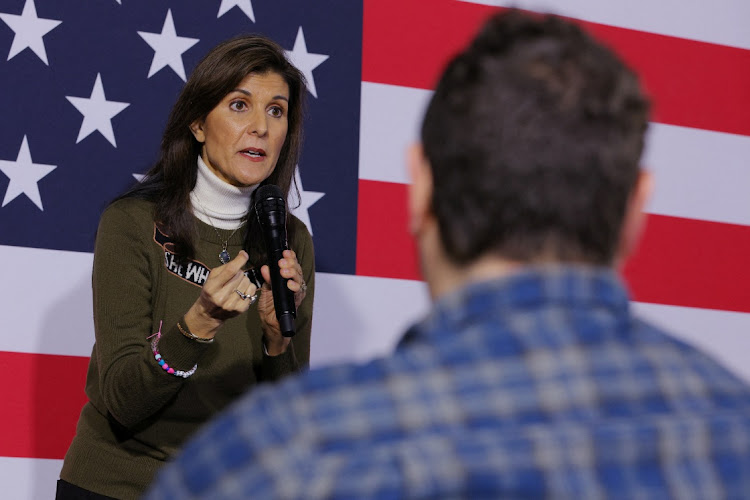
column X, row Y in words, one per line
column 271, row 211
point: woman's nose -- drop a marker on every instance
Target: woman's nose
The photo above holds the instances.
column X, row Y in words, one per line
column 258, row 124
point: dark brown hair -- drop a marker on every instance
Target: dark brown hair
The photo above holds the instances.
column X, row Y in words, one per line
column 534, row 136
column 169, row 182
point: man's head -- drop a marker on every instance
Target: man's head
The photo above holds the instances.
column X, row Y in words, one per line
column 532, row 143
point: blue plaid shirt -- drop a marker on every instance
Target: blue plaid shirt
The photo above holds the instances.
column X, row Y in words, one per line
column 541, row 384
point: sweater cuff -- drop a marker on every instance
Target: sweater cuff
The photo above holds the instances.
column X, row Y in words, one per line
column 179, row 351
column 275, row 367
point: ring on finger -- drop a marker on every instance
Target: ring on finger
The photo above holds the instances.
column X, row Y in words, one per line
column 303, row 287
column 245, row 296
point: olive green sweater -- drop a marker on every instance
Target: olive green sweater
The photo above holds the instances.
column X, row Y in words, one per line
column 138, row 415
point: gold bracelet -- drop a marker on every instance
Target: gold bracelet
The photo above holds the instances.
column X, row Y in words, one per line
column 193, row 337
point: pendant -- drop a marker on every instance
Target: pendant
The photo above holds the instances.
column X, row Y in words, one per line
column 224, row 256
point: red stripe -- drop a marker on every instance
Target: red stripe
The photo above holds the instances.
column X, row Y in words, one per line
column 693, row 84
column 42, row 396
column 384, row 246
column 680, row 262
column 692, row 263
column 404, row 43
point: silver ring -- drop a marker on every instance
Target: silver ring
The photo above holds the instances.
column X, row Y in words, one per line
column 303, row 287
column 245, row 296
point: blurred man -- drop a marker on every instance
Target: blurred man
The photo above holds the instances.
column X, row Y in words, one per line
column 530, row 377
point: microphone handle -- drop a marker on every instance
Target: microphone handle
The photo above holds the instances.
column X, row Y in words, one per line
column 283, row 297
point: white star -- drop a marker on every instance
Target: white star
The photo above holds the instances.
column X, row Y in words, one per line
column 305, row 61
column 29, row 30
column 24, row 175
column 306, row 200
column 244, row 5
column 97, row 112
column 168, row 48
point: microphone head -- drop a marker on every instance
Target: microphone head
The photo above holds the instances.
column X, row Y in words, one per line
column 268, row 191
column 269, row 198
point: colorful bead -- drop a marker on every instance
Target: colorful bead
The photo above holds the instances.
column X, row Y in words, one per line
column 164, row 365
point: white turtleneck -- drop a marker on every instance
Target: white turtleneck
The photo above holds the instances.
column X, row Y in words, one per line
column 218, row 203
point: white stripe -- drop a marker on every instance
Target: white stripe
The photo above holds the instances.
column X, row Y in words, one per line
column 699, row 174
column 718, row 21
column 48, row 308
column 29, row 478
column 721, row 334
column 390, row 117
column 389, row 122
column 357, row 318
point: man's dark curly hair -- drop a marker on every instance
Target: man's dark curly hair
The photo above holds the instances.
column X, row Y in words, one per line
column 534, row 136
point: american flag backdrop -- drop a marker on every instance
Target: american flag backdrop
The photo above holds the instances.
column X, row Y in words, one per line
column 86, row 86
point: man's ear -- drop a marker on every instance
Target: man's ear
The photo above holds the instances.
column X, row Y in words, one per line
column 635, row 216
column 197, row 129
column 420, row 189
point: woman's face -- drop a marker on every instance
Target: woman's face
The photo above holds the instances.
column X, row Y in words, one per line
column 243, row 135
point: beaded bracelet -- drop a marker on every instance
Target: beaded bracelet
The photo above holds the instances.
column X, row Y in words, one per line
column 165, row 366
column 191, row 336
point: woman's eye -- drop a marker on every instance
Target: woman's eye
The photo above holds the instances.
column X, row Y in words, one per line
column 276, row 111
column 237, row 105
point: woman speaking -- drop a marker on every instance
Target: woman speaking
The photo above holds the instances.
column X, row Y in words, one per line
column 181, row 328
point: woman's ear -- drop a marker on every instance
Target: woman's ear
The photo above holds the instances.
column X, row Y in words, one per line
column 197, row 129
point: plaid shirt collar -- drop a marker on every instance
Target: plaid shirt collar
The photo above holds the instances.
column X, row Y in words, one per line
column 526, row 289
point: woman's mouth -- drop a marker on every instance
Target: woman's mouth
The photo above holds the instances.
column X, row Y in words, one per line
column 254, row 154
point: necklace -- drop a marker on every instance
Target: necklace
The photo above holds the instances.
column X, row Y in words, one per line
column 224, row 256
